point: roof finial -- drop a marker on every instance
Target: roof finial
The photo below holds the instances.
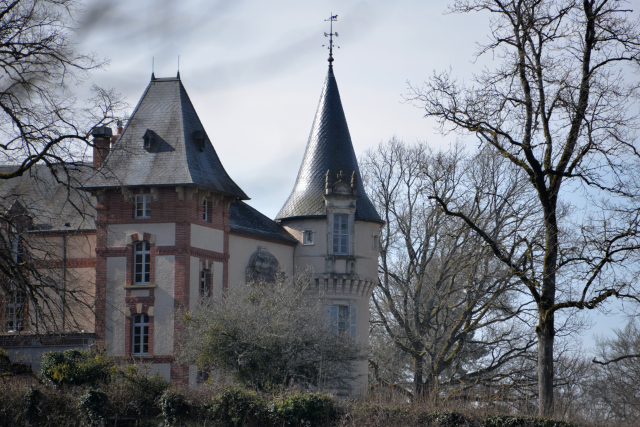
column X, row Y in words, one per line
column 330, row 35
column 153, row 74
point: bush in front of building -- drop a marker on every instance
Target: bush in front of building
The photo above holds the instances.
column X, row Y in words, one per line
column 305, row 409
column 75, row 367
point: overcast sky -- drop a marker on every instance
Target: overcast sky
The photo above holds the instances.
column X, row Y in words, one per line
column 254, row 70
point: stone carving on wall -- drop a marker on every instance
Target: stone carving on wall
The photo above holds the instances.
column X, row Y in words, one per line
column 262, row 267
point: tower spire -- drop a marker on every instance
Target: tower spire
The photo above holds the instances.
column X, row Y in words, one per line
column 330, row 34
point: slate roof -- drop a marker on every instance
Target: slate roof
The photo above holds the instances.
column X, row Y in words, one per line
column 176, row 157
column 246, row 220
column 329, row 148
column 49, row 203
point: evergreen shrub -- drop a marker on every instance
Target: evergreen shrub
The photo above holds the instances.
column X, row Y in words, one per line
column 174, row 406
column 305, row 409
column 235, row 407
column 75, row 367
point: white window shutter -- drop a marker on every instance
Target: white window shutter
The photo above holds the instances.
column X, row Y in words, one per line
column 333, row 318
column 353, row 317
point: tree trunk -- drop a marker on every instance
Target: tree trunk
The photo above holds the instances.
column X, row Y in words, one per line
column 418, row 378
column 545, row 334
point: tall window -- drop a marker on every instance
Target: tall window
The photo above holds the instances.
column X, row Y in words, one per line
column 344, row 319
column 140, row 334
column 205, row 283
column 143, row 206
column 14, row 311
column 341, row 234
column 141, row 263
column 205, row 210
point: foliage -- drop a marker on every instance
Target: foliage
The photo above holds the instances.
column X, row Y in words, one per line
column 173, row 405
column 236, row 407
column 305, row 409
column 133, row 392
column 269, row 336
column 92, row 404
column 75, row 367
column 515, row 421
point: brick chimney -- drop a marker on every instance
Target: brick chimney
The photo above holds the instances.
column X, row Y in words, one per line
column 101, row 144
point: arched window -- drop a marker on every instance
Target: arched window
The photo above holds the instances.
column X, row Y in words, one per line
column 140, row 334
column 142, row 263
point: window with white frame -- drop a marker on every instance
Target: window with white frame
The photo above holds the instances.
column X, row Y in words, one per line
column 308, row 237
column 143, row 206
column 140, row 334
column 141, row 263
column 205, row 283
column 205, row 210
column 344, row 319
column 14, row 308
column 341, row 234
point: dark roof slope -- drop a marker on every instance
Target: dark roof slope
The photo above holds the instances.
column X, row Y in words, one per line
column 246, row 220
column 51, row 197
column 177, row 156
column 329, row 148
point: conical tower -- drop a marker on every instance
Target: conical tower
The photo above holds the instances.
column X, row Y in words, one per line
column 336, row 224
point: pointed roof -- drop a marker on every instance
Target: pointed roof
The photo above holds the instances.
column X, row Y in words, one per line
column 164, row 143
column 329, row 148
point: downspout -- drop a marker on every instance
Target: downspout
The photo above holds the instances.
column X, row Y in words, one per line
column 64, row 280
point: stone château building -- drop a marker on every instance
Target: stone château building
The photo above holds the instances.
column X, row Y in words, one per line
column 168, row 226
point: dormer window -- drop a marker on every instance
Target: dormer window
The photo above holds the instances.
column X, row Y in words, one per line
column 199, row 137
column 149, row 140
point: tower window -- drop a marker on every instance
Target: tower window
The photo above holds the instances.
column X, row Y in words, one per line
column 341, row 234
column 344, row 319
column 142, row 263
column 140, row 334
column 376, row 240
column 143, row 206
column 308, row 237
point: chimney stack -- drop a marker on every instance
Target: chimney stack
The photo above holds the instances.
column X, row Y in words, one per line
column 101, row 144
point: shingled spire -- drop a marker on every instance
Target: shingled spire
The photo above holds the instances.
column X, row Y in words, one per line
column 329, row 149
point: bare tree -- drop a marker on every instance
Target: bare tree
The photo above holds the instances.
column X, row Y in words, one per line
column 613, row 389
column 443, row 300
column 561, row 108
column 270, row 336
column 44, row 137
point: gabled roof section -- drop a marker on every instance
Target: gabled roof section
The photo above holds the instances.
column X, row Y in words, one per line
column 329, row 148
column 51, row 197
column 162, row 144
column 244, row 219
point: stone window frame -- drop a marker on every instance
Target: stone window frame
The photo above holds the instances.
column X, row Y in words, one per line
column 342, row 236
column 306, row 233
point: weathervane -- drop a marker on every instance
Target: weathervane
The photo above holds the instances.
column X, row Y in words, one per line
column 330, row 35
